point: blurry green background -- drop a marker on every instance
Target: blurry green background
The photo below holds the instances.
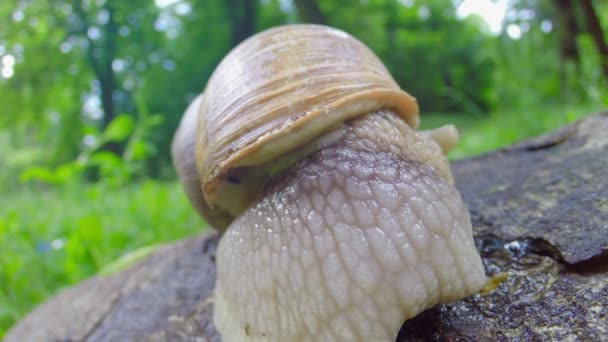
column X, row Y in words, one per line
column 91, row 92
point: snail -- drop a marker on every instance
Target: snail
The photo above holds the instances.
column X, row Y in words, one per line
column 340, row 221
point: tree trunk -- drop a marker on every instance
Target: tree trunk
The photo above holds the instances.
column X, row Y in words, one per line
column 392, row 23
column 100, row 58
column 241, row 14
column 567, row 30
column 107, row 78
column 309, row 12
column 539, row 214
column 595, row 30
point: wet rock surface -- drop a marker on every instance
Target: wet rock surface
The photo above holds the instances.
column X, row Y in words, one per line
column 541, row 300
column 540, row 215
column 551, row 190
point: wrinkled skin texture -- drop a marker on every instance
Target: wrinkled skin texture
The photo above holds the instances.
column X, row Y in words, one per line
column 349, row 243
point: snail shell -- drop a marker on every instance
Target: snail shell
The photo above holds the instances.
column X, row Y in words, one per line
column 274, row 94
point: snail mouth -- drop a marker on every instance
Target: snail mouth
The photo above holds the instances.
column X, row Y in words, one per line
column 346, row 245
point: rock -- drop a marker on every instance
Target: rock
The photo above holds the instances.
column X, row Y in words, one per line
column 540, row 215
column 551, row 192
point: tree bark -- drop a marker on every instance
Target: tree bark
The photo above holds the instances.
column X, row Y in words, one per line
column 595, row 30
column 539, row 214
column 392, row 23
column 567, row 30
column 309, row 12
column 100, row 58
column 107, row 78
column 241, row 14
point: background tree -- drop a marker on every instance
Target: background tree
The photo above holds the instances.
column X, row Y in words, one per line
column 309, row 12
column 576, row 18
column 595, row 30
column 76, row 65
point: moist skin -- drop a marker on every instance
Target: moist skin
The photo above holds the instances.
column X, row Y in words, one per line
column 350, row 242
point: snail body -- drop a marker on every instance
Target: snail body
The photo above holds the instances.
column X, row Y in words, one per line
column 340, row 220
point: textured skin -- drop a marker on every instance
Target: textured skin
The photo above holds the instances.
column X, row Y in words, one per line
column 350, row 243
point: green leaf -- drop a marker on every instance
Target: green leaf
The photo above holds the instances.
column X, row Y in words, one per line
column 107, row 161
column 68, row 172
column 119, row 128
column 38, row 173
column 154, row 120
column 137, row 150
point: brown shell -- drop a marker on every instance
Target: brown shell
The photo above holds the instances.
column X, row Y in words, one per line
column 278, row 91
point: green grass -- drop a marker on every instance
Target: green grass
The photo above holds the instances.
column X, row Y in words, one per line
column 53, row 238
column 56, row 237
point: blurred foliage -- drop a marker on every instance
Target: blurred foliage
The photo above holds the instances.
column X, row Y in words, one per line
column 92, row 91
column 53, row 238
column 76, row 65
